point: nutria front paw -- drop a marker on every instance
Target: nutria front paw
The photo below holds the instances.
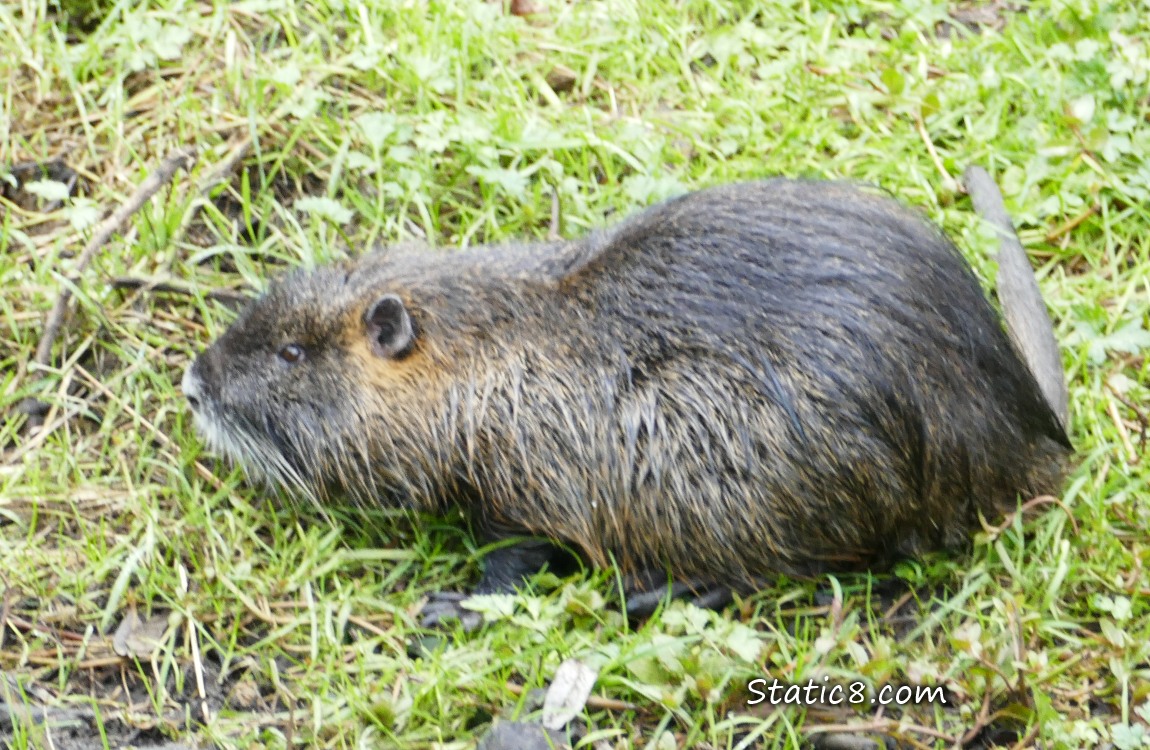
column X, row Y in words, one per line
column 505, row 569
column 443, row 607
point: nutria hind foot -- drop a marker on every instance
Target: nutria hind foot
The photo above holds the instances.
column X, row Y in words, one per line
column 644, row 593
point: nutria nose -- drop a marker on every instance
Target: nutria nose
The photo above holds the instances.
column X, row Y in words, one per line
column 191, row 386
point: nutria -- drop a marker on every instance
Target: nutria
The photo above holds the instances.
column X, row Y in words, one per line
column 777, row 377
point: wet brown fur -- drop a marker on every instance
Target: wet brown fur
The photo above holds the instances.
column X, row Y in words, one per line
column 781, row 376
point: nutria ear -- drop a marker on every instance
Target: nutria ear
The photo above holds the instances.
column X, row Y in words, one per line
column 389, row 327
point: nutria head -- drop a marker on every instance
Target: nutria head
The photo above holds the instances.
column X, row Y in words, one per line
column 298, row 389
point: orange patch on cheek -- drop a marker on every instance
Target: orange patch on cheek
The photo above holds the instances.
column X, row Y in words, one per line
column 416, row 371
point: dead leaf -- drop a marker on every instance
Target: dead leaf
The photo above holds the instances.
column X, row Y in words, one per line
column 568, row 693
column 139, row 639
column 561, row 79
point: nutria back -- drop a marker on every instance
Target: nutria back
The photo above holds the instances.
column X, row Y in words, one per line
column 782, row 376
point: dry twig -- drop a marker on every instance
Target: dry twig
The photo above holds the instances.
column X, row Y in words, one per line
column 224, row 295
column 181, row 158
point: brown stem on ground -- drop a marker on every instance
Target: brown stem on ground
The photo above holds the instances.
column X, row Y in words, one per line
column 227, row 296
column 220, row 174
column 181, row 158
column 1055, row 234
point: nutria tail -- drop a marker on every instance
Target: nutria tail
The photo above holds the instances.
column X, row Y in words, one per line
column 1027, row 321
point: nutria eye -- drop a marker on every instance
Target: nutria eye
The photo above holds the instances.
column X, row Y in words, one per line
column 292, row 353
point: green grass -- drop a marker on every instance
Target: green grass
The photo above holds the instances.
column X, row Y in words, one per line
column 453, row 122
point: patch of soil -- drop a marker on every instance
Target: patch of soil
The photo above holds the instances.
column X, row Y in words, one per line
column 114, row 702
